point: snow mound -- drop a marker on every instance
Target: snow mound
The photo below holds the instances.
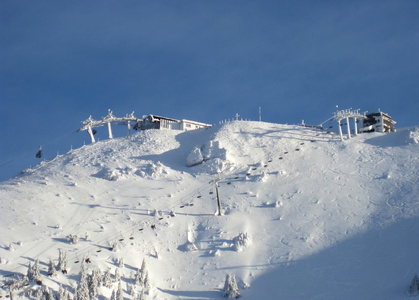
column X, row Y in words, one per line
column 153, row 171
column 403, row 137
column 210, row 156
column 114, row 174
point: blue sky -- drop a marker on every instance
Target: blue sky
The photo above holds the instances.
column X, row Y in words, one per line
column 61, row 61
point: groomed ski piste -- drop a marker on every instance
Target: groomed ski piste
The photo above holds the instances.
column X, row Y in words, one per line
column 304, row 214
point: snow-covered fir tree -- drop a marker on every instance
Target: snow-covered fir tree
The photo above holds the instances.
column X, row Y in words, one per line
column 414, row 286
column 48, row 294
column 82, row 290
column 51, row 268
column 113, row 295
column 140, row 296
column 231, row 290
column 121, row 262
column 62, row 261
column 39, row 294
column 36, row 270
column 146, row 285
column 119, row 292
column 117, row 275
column 142, row 278
column 94, row 282
column 63, row 294
column 29, row 274
column 106, row 280
column 34, row 273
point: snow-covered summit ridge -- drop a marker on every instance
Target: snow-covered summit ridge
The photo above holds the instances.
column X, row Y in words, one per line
column 294, row 192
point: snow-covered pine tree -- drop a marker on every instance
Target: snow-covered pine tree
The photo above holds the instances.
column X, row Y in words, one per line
column 414, row 286
column 141, row 296
column 62, row 261
column 48, row 294
column 113, row 296
column 231, row 290
column 131, row 290
column 82, row 290
column 119, row 292
column 63, row 294
column 137, row 279
column 142, row 278
column 29, row 274
column 143, row 271
column 51, row 268
column 39, row 294
column 107, row 281
column 33, row 271
column 117, row 275
column 94, row 282
column 121, row 262
column 146, row 285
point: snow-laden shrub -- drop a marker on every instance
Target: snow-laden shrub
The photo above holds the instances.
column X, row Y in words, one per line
column 231, row 290
column 3, row 261
column 10, row 247
column 113, row 246
column 241, row 241
column 73, row 238
column 153, row 171
column 18, row 284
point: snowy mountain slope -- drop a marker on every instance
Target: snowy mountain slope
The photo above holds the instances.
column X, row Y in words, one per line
column 325, row 219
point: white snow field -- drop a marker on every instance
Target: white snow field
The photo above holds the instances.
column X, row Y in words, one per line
column 305, row 215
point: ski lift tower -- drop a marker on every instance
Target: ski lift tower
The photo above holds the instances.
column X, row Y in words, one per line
column 346, row 114
column 109, row 119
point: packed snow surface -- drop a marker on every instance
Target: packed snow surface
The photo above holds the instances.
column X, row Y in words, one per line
column 304, row 215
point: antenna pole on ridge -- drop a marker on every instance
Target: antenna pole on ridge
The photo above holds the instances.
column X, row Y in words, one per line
column 260, row 114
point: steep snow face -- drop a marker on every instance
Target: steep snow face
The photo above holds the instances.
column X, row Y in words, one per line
column 304, row 215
